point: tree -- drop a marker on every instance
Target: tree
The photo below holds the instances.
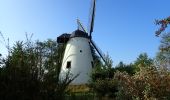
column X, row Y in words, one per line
column 1, row 60
column 147, row 83
column 143, row 61
column 102, row 82
column 164, row 23
column 31, row 72
column 163, row 56
column 130, row 68
column 19, row 80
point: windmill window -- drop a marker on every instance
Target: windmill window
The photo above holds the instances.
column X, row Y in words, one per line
column 92, row 64
column 80, row 51
column 68, row 65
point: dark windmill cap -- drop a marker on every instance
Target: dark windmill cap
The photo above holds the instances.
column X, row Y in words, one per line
column 79, row 33
column 63, row 38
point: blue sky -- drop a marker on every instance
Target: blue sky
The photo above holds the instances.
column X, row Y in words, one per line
column 123, row 28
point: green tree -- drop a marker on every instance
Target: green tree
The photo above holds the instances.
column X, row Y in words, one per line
column 143, row 61
column 163, row 56
column 147, row 83
column 31, row 72
column 130, row 68
column 19, row 80
column 102, row 82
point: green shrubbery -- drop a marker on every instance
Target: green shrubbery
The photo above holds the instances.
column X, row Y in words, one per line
column 147, row 81
column 31, row 72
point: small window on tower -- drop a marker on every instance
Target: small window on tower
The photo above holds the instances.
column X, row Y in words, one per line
column 80, row 51
column 68, row 65
column 92, row 64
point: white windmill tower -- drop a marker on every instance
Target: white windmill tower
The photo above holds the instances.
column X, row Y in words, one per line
column 78, row 56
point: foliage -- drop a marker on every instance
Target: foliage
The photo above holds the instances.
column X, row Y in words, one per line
column 1, row 60
column 141, row 80
column 147, row 83
column 105, row 87
column 102, row 82
column 163, row 56
column 102, row 71
column 143, row 60
column 164, row 23
column 31, row 72
column 130, row 68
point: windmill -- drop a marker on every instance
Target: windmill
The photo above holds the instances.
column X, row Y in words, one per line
column 78, row 56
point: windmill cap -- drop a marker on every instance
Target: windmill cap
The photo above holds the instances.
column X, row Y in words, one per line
column 79, row 33
column 63, row 38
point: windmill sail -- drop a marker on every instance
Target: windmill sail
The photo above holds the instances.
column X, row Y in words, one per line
column 92, row 16
column 98, row 51
column 80, row 26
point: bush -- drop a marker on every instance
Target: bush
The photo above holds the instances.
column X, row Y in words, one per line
column 148, row 83
column 31, row 72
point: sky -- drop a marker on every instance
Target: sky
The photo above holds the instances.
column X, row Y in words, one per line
column 122, row 28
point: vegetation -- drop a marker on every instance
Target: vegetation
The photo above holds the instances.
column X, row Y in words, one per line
column 147, row 83
column 31, row 72
column 144, row 79
column 163, row 56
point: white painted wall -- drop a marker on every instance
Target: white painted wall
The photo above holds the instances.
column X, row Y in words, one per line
column 80, row 61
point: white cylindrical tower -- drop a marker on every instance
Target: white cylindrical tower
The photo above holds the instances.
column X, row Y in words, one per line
column 78, row 57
